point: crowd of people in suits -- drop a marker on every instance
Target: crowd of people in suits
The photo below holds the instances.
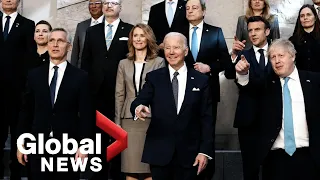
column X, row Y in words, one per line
column 160, row 83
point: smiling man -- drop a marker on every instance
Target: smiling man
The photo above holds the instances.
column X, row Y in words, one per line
column 179, row 139
column 17, row 52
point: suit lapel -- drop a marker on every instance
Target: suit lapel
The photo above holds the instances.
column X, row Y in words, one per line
column 87, row 23
column 1, row 38
column 178, row 12
column 204, row 39
column 276, row 96
column 188, row 91
column 101, row 36
column 168, row 88
column 254, row 62
column 63, row 86
column 306, row 86
column 163, row 17
column 119, row 33
column 15, row 26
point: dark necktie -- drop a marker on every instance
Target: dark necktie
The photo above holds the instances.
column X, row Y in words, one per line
column 53, row 84
column 262, row 61
column 175, row 87
column 6, row 28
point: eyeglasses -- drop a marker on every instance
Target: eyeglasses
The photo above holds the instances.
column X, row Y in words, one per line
column 95, row 3
column 112, row 4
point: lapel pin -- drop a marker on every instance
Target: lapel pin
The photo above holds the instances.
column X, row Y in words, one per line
column 180, row 7
column 273, row 82
column 192, row 77
column 207, row 30
column 122, row 27
column 308, row 80
column 17, row 24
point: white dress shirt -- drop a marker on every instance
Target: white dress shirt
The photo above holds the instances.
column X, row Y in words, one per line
column 62, row 67
column 98, row 21
column 138, row 71
column 173, row 5
column 244, row 79
column 12, row 19
column 316, row 7
column 199, row 34
column 114, row 27
column 182, row 82
column 300, row 126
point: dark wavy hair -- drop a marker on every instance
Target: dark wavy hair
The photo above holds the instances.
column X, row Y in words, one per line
column 299, row 30
column 152, row 47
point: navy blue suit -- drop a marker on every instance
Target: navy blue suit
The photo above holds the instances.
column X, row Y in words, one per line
column 248, row 109
column 171, row 136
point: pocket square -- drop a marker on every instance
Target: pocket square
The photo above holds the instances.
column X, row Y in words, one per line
column 123, row 39
column 195, row 89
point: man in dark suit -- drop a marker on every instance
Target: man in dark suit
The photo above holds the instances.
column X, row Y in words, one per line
column 179, row 137
column 247, row 108
column 95, row 9
column 17, row 50
column 208, row 55
column 287, row 127
column 63, row 107
column 167, row 16
column 105, row 45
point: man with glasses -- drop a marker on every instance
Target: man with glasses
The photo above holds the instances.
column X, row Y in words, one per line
column 105, row 45
column 56, row 110
column 95, row 9
column 18, row 49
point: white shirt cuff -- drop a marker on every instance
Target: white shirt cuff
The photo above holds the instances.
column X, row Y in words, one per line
column 243, row 80
column 209, row 157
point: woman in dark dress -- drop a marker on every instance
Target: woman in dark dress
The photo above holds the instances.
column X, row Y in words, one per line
column 306, row 39
column 41, row 35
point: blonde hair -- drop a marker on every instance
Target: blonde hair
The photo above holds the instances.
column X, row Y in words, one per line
column 265, row 12
column 152, row 47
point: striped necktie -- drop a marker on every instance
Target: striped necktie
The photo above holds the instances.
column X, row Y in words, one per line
column 109, row 36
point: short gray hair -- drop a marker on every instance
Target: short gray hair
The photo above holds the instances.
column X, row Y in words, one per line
column 203, row 4
column 182, row 37
column 69, row 38
column 283, row 43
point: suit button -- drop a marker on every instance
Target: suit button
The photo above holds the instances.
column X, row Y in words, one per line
column 272, row 140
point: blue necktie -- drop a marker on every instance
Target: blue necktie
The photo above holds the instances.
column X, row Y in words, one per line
column 109, row 36
column 53, row 85
column 289, row 140
column 6, row 28
column 194, row 43
column 170, row 13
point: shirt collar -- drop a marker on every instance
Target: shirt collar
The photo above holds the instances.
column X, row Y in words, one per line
column 294, row 75
column 315, row 6
column 62, row 66
column 200, row 25
column 114, row 23
column 265, row 48
column 100, row 19
column 12, row 15
column 180, row 71
column 175, row 1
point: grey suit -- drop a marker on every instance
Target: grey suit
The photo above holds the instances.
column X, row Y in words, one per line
column 242, row 30
column 78, row 42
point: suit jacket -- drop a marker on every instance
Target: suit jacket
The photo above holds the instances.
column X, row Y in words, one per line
column 126, row 90
column 213, row 51
column 17, row 54
column 102, row 64
column 72, row 112
column 185, row 134
column 247, row 108
column 159, row 23
column 270, row 118
column 78, row 42
column 242, row 30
